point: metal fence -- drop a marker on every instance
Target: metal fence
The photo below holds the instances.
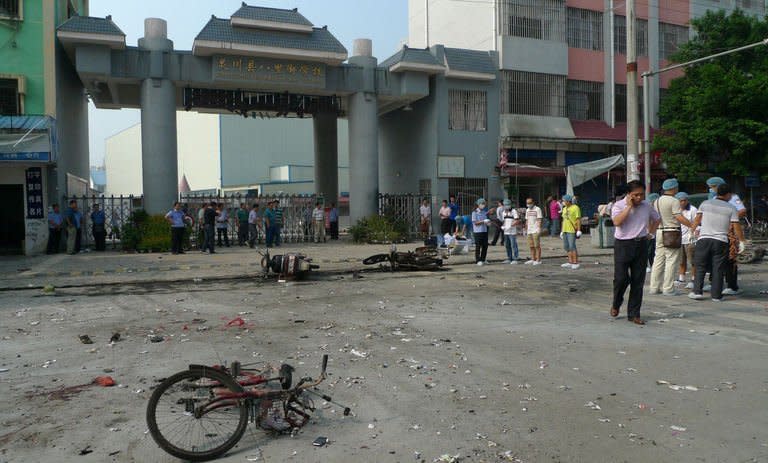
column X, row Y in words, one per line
column 117, row 210
column 297, row 213
column 404, row 207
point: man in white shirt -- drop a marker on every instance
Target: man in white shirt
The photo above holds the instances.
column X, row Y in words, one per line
column 425, row 215
column 731, row 264
column 533, row 219
column 318, row 222
column 509, row 222
column 254, row 225
column 688, row 240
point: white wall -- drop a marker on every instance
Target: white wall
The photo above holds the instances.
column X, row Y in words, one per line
column 198, row 155
column 36, row 230
column 456, row 24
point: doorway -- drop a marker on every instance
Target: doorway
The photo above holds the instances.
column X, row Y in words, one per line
column 12, row 227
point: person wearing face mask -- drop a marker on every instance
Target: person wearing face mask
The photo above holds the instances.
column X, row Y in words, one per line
column 688, row 240
column 731, row 269
column 533, row 219
column 635, row 222
column 510, row 219
column 480, row 223
column 571, row 231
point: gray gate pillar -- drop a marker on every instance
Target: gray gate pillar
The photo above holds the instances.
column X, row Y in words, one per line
column 363, row 137
column 158, row 122
column 326, row 156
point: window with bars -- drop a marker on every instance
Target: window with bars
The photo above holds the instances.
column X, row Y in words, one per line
column 10, row 8
column 533, row 93
column 425, row 187
column 585, row 100
column 467, row 191
column 671, row 36
column 620, row 99
column 10, row 103
column 585, row 29
column 620, row 36
column 535, row 19
column 468, row 110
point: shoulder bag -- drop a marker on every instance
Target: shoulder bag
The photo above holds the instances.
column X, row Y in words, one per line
column 671, row 237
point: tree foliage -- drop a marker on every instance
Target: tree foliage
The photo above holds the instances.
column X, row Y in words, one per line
column 715, row 118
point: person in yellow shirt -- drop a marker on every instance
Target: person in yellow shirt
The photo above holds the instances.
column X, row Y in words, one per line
column 571, row 231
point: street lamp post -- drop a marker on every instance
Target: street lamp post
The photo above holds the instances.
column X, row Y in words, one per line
column 646, row 101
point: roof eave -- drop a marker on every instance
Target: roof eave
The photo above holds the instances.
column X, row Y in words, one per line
column 210, row 47
column 116, row 42
column 404, row 66
column 469, row 75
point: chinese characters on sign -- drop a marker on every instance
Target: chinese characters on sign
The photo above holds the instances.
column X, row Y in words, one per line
column 450, row 166
column 34, row 193
column 269, row 71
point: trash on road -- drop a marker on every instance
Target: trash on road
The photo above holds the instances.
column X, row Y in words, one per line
column 85, row 339
column 104, row 381
column 592, row 405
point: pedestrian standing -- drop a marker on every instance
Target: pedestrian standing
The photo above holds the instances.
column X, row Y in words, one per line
column 269, row 221
column 688, row 241
column 241, row 222
column 99, row 228
column 277, row 214
column 73, row 218
column 635, row 220
column 318, row 223
column 731, row 264
column 454, row 213
column 209, row 227
column 333, row 220
column 254, row 225
column 222, row 225
column 178, row 220
column 55, row 221
column 445, row 219
column 201, row 225
column 425, row 217
column 496, row 215
column 510, row 221
column 555, row 213
column 652, row 198
column 571, row 231
column 480, row 223
column 533, row 221
column 668, row 240
column 717, row 217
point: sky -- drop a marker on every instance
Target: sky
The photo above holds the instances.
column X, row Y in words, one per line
column 383, row 21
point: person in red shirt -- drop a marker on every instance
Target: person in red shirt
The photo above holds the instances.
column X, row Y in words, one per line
column 555, row 214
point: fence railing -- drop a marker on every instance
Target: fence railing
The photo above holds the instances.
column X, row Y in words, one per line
column 404, row 207
column 117, row 211
column 297, row 213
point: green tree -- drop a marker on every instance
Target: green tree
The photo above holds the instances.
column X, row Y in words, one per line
column 715, row 118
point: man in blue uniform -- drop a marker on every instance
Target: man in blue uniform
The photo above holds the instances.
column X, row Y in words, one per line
column 55, row 221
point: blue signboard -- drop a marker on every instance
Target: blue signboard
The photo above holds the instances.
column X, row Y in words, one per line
column 34, row 182
column 752, row 181
column 36, row 156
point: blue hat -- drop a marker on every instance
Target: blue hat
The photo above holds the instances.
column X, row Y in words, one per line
column 682, row 195
column 507, row 202
column 670, row 184
column 480, row 201
column 715, row 181
column 568, row 198
column 653, row 197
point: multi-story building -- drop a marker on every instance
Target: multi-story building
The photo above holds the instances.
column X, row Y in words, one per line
column 43, row 120
column 563, row 73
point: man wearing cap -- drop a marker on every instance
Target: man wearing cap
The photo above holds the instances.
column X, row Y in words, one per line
column 635, row 221
column 571, row 231
column 480, row 223
column 668, row 250
column 717, row 218
column 731, row 265
column 689, row 239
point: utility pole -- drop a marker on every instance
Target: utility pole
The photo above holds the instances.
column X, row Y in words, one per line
column 632, row 106
column 612, row 60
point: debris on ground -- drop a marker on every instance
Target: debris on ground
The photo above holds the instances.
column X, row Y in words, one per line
column 447, row 458
column 86, row 450
column 678, row 428
column 85, row 339
column 115, row 338
column 156, row 338
column 104, row 381
column 49, row 289
column 592, row 405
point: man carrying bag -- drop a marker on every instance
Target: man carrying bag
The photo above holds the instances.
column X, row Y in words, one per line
column 668, row 240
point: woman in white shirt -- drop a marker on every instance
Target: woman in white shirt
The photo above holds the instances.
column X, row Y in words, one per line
column 688, row 240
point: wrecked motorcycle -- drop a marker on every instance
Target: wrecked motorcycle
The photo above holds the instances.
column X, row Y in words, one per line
column 423, row 258
column 290, row 265
column 200, row 413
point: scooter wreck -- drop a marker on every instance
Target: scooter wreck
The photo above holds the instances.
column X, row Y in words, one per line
column 423, row 258
column 288, row 266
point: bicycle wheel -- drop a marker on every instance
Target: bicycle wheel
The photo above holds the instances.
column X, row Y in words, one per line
column 376, row 259
column 188, row 418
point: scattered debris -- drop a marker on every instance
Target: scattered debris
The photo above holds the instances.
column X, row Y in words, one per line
column 357, row 353
column 592, row 405
column 447, row 458
column 104, row 381
column 86, row 450
column 49, row 289
column 156, row 338
column 115, row 338
column 85, row 339
column 543, row 364
column 678, row 428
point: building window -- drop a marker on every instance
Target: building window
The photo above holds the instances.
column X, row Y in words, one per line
column 10, row 99
column 585, row 100
column 533, row 94
column 467, row 191
column 468, row 110
column 10, row 8
column 620, row 99
column 585, row 29
column 671, row 36
column 535, row 19
column 620, row 36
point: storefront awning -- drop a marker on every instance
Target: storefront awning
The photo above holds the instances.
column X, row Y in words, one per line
column 27, row 138
column 528, row 170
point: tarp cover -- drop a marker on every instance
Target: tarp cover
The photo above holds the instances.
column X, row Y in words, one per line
column 580, row 173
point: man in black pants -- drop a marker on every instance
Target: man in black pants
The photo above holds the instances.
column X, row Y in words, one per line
column 635, row 221
column 480, row 232
column 209, row 224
